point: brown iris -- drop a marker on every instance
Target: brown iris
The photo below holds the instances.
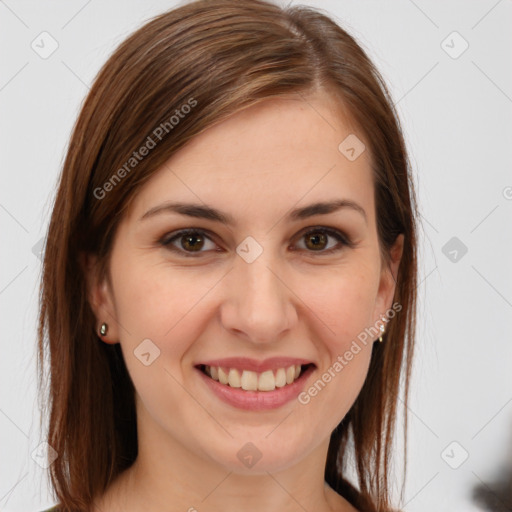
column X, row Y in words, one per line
column 192, row 242
column 316, row 241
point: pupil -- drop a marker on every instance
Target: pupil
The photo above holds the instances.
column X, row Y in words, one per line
column 194, row 242
column 318, row 240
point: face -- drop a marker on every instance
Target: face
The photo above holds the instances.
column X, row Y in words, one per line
column 262, row 281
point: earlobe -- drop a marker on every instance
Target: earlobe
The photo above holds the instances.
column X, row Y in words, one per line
column 100, row 299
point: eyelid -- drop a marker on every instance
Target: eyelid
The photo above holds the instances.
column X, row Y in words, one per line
column 168, row 238
column 336, row 233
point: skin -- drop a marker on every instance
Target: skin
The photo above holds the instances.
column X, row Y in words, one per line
column 291, row 301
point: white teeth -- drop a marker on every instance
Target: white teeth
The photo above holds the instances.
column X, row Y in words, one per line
column 249, row 380
column 253, row 381
column 290, row 374
column 280, row 378
column 267, row 381
column 234, row 378
column 223, row 376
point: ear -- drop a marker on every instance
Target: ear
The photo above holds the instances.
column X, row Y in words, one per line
column 387, row 282
column 100, row 298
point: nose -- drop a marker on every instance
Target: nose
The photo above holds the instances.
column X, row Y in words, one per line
column 258, row 303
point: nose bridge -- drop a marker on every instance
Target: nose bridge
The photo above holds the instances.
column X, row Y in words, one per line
column 258, row 304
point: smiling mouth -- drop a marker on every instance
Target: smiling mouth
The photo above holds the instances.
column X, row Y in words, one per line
column 247, row 380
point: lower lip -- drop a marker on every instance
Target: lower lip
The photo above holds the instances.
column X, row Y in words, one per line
column 257, row 400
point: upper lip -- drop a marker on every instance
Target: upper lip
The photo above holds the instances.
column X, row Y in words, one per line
column 246, row 363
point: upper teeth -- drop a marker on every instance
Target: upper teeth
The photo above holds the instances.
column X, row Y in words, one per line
column 253, row 381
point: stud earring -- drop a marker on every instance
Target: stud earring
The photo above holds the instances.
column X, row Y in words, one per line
column 382, row 331
column 103, row 329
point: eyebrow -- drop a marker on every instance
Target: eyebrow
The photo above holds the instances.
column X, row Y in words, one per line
column 206, row 212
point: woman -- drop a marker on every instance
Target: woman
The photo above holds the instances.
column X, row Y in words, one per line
column 228, row 296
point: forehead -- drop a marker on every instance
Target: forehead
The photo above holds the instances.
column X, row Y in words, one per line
column 275, row 154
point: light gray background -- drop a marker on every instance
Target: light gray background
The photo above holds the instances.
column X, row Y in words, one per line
column 456, row 114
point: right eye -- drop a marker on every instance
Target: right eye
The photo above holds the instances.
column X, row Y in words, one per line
column 188, row 241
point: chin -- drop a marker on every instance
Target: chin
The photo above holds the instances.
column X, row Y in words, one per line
column 250, row 454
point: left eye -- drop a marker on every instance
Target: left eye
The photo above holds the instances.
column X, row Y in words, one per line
column 319, row 240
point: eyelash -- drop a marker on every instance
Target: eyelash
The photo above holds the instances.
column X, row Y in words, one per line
column 343, row 240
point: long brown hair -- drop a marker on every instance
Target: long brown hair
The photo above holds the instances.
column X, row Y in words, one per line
column 217, row 57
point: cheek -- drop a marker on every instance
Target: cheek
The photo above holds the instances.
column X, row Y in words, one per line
column 343, row 300
column 342, row 304
column 162, row 304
